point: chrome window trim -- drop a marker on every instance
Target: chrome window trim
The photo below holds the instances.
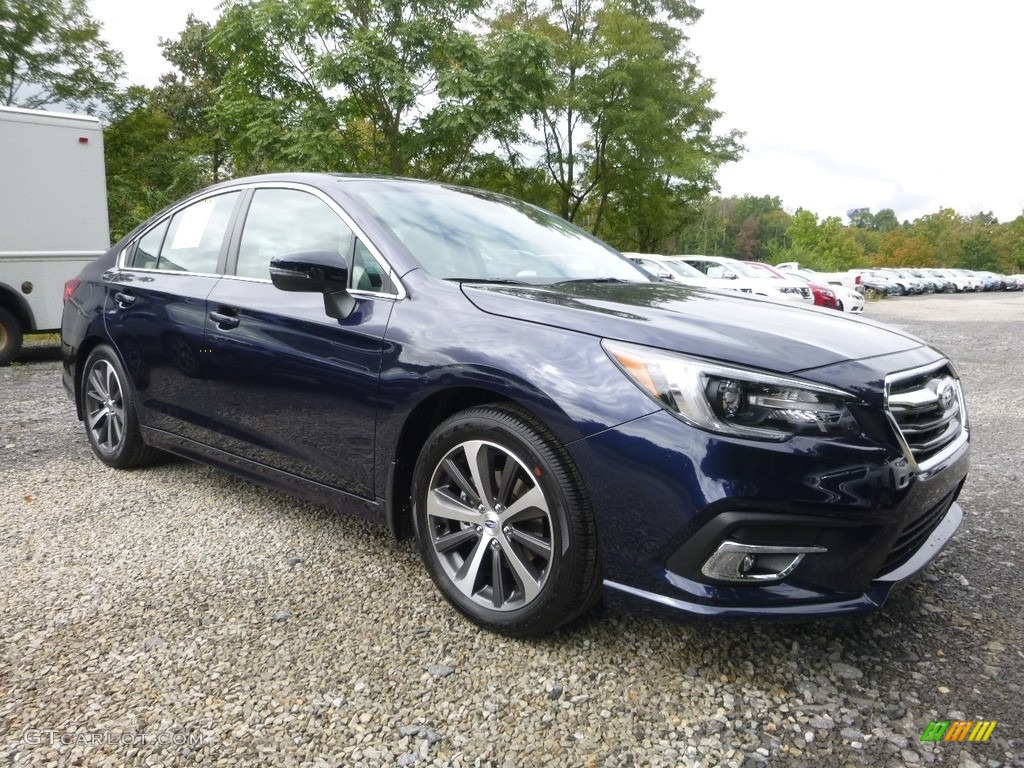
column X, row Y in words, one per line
column 358, row 231
column 925, row 467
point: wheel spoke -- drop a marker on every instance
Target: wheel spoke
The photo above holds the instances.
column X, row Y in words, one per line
column 529, row 579
column 465, row 577
column 497, row 579
column 531, row 501
column 464, row 483
column 508, row 479
column 535, row 544
column 478, row 455
column 450, row 541
column 440, row 503
column 117, row 428
column 95, row 416
column 107, row 429
column 96, row 383
column 111, row 380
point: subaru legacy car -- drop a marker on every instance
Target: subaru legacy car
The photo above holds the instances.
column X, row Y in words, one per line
column 549, row 422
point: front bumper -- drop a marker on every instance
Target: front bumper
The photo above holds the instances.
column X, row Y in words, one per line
column 662, row 513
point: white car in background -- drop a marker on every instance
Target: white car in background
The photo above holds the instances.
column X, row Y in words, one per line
column 674, row 270
column 747, row 279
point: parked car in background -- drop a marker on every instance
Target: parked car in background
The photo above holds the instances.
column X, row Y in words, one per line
column 537, row 412
column 850, row 279
column 824, row 296
column 883, row 280
column 974, row 283
column 958, row 283
column 843, row 299
column 746, row 279
column 915, row 285
column 674, row 270
column 935, row 283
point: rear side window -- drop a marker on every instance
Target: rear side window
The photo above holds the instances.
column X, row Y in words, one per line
column 148, row 251
column 193, row 239
column 283, row 221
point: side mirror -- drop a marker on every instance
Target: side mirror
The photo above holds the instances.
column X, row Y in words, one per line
column 315, row 272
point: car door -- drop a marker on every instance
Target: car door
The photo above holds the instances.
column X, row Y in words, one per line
column 155, row 311
column 294, row 389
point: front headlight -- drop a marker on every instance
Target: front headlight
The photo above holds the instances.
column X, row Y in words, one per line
column 734, row 401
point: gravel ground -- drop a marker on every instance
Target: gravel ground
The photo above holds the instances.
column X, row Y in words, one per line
column 176, row 615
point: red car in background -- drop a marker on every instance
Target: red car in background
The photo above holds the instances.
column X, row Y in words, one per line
column 823, row 296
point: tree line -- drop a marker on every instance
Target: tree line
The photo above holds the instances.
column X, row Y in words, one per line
column 594, row 109
column 757, row 228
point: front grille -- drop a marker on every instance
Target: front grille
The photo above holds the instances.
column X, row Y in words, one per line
column 927, row 408
column 805, row 292
column 916, row 532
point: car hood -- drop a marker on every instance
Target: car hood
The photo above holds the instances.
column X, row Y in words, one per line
column 727, row 327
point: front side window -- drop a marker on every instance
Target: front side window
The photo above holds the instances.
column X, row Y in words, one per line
column 195, row 236
column 283, row 221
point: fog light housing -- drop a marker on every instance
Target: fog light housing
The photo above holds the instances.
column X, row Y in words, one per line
column 735, row 561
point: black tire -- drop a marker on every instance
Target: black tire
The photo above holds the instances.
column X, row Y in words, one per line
column 108, row 407
column 11, row 336
column 525, row 542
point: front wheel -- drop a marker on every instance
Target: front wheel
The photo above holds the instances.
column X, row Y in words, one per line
column 504, row 524
column 108, row 404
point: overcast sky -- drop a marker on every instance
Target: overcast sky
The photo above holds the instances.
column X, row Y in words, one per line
column 905, row 104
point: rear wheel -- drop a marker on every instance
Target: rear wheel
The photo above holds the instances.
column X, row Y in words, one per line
column 504, row 524
column 11, row 335
column 108, row 404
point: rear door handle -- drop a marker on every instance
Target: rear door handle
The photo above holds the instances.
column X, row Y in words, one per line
column 225, row 321
column 124, row 299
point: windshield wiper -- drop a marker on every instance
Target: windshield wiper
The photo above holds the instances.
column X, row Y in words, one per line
column 595, row 280
column 488, row 280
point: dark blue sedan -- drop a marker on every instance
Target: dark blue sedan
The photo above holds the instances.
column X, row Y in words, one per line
column 549, row 422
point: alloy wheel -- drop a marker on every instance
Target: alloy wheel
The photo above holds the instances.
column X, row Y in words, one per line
column 104, row 407
column 490, row 525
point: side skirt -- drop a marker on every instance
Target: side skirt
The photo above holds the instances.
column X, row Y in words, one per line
column 277, row 479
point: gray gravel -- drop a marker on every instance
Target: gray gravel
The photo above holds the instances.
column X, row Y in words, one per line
column 177, row 615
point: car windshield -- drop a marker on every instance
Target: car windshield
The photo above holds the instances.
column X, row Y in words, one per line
column 682, row 269
column 761, row 270
column 748, row 271
column 471, row 235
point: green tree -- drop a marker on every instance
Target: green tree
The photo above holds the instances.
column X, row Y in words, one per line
column 944, row 230
column 147, row 167
column 51, row 52
column 900, row 248
column 370, row 86
column 189, row 95
column 627, row 134
column 825, row 246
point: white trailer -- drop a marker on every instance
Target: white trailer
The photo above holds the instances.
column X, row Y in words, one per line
column 53, row 216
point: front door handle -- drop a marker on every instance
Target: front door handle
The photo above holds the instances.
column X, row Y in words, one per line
column 124, row 300
column 224, row 321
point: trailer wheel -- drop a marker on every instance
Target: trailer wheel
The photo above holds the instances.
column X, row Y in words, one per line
column 10, row 336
